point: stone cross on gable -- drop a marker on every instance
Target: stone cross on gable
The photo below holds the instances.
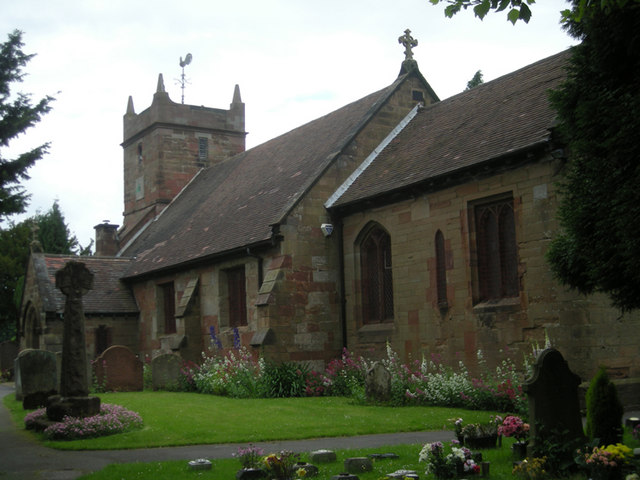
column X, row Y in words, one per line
column 409, row 42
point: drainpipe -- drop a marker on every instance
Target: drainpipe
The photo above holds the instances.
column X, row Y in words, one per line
column 343, row 301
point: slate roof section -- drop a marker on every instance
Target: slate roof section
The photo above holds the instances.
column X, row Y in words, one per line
column 501, row 117
column 109, row 294
column 236, row 203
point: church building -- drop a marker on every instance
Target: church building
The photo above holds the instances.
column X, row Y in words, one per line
column 399, row 219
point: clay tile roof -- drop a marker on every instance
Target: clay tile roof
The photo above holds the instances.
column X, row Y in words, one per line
column 109, row 294
column 504, row 116
column 235, row 204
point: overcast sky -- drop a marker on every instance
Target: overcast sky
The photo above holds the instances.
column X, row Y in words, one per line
column 294, row 61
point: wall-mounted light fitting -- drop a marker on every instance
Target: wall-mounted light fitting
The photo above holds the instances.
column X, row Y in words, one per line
column 327, row 229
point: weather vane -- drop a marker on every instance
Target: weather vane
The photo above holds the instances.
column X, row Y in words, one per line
column 183, row 80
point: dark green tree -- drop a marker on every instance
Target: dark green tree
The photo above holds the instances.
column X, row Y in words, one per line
column 598, row 249
column 519, row 9
column 17, row 114
column 53, row 233
column 516, row 9
column 475, row 81
column 14, row 252
column 48, row 233
column 604, row 410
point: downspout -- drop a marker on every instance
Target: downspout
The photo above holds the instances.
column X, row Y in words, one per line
column 343, row 301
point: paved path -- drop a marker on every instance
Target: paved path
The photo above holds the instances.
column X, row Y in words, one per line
column 22, row 458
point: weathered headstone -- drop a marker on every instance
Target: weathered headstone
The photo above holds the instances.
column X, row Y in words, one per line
column 165, row 371
column 323, row 456
column 36, row 378
column 378, row 383
column 119, row 370
column 358, row 464
column 553, row 399
column 74, row 280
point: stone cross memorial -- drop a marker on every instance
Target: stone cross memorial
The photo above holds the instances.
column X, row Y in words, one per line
column 74, row 280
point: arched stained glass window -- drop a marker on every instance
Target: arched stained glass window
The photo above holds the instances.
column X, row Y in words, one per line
column 377, row 278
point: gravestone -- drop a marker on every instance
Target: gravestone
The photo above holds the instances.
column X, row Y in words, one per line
column 35, row 377
column 378, row 383
column 358, row 464
column 553, row 399
column 165, row 371
column 323, row 456
column 119, row 370
column 74, row 280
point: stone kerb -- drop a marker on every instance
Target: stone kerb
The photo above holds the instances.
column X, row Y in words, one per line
column 165, row 371
column 118, row 369
column 35, row 377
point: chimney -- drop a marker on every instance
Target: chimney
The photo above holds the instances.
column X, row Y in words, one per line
column 106, row 239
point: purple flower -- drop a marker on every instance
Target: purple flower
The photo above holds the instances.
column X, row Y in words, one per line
column 236, row 339
column 216, row 341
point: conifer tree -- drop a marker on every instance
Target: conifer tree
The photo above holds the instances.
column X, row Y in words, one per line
column 17, row 114
column 53, row 232
column 598, row 248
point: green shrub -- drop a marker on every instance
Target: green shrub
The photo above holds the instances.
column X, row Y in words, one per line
column 604, row 410
column 286, row 379
column 559, row 448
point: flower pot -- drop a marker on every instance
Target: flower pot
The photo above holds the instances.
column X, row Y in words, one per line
column 488, row 441
column 519, row 450
column 250, row 474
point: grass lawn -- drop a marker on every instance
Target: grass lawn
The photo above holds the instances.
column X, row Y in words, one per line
column 172, row 419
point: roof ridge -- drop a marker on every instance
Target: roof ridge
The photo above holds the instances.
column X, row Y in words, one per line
column 372, row 156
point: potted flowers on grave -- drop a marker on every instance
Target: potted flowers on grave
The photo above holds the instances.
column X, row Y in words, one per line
column 606, row 463
column 481, row 435
column 515, row 427
column 448, row 461
column 282, row 466
column 251, row 460
column 457, row 428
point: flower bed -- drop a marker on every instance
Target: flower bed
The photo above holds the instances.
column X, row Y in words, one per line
column 112, row 419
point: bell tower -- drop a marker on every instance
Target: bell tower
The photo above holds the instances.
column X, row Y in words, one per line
column 166, row 145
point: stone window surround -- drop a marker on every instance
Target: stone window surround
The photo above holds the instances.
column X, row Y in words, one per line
column 508, row 298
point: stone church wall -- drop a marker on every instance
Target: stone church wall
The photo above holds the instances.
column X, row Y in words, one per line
column 302, row 302
column 587, row 331
column 207, row 307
